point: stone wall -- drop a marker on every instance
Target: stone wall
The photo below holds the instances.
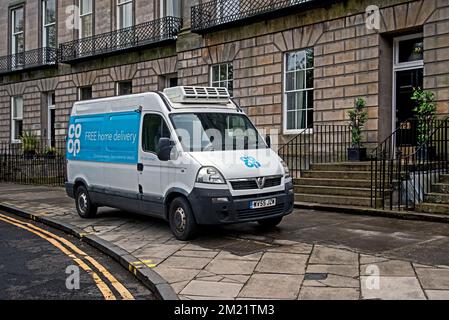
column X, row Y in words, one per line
column 350, row 61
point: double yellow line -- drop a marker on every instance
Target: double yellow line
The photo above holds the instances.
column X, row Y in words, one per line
column 79, row 256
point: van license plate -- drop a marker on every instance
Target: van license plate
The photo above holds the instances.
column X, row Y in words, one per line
column 262, row 204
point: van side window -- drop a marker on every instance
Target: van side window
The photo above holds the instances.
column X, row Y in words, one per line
column 154, row 128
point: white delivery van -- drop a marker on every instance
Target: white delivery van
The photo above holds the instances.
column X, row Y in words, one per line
column 188, row 155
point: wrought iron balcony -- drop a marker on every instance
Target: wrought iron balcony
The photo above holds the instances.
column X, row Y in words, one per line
column 28, row 60
column 211, row 15
column 157, row 31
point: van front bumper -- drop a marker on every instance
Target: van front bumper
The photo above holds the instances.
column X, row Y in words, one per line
column 211, row 208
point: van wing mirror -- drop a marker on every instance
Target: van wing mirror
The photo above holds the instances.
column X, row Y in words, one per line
column 164, row 146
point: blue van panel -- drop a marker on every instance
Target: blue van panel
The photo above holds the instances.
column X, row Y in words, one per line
column 111, row 137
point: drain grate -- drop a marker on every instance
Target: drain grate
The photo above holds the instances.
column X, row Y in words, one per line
column 315, row 276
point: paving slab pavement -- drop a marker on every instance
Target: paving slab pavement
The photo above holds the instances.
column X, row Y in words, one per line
column 312, row 255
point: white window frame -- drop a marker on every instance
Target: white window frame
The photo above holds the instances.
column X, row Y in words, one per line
column 83, row 15
column 14, row 34
column 227, row 80
column 14, row 119
column 117, row 86
column 79, row 92
column 46, row 26
column 402, row 66
column 120, row 4
column 284, row 95
column 50, row 107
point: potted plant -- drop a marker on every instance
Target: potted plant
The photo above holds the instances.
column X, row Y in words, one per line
column 29, row 144
column 50, row 152
column 425, row 112
column 357, row 120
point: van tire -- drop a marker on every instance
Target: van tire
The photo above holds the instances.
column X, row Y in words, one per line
column 182, row 221
column 84, row 206
column 270, row 223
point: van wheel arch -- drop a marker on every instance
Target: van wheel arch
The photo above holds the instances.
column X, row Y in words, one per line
column 79, row 183
column 171, row 195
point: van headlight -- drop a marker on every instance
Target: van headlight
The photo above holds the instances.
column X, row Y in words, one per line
column 286, row 170
column 210, row 175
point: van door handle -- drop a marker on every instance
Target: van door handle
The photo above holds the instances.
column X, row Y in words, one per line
column 140, row 167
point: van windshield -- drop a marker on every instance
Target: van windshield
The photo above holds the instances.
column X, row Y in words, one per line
column 199, row 132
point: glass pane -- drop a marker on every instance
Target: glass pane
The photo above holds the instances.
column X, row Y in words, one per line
column 301, row 102
column 223, row 71
column 301, row 61
column 310, row 60
column 230, row 71
column 19, row 44
column 300, row 80
column 86, row 6
column 215, row 73
column 310, row 99
column 125, row 88
column 18, row 20
column 290, row 81
column 86, row 26
column 126, row 15
column 411, row 50
column 50, row 36
column 291, row 124
column 291, row 101
column 17, row 129
column 309, row 78
column 309, row 118
column 50, row 11
column 301, row 120
column 86, row 93
column 231, row 88
column 18, row 108
column 291, row 61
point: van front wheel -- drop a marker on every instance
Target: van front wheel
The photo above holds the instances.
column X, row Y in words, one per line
column 182, row 221
column 86, row 209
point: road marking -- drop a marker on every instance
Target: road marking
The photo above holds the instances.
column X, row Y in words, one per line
column 147, row 263
column 107, row 293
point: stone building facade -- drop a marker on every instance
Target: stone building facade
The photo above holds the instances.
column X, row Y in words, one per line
column 289, row 66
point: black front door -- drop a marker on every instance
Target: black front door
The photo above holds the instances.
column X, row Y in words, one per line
column 406, row 82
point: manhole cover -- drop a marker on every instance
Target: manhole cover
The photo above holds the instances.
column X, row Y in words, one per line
column 315, row 276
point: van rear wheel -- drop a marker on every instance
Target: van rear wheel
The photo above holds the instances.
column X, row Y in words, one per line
column 182, row 221
column 84, row 206
column 270, row 223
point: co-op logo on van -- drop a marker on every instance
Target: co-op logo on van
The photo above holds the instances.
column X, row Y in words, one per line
column 74, row 143
column 251, row 162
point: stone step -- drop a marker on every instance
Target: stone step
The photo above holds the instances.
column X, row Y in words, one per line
column 440, row 188
column 433, row 208
column 333, row 191
column 333, row 182
column 337, row 200
column 345, row 166
column 352, row 175
column 439, row 198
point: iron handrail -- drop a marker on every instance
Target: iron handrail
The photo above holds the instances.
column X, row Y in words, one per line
column 166, row 28
column 29, row 59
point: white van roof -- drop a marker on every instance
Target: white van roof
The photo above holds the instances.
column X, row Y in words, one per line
column 177, row 97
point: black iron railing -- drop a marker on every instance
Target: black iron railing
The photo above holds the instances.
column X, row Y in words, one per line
column 38, row 162
column 29, row 59
column 403, row 168
column 213, row 13
column 160, row 30
column 318, row 144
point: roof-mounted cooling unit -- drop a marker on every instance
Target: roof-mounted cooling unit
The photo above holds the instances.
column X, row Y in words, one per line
column 197, row 95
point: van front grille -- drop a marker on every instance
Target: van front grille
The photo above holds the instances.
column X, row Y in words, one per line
column 251, row 184
column 250, row 214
